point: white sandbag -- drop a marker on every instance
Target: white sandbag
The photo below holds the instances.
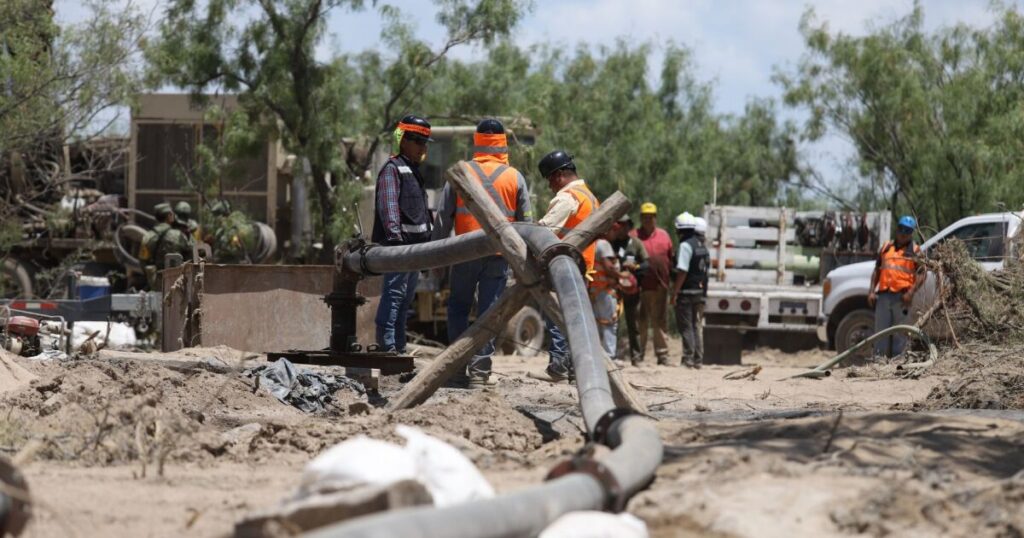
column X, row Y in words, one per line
column 448, row 475
column 121, row 335
column 588, row 524
column 355, row 462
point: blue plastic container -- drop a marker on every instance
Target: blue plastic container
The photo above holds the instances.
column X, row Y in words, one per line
column 92, row 287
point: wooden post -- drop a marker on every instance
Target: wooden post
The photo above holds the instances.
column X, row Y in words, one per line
column 457, row 354
column 514, row 249
column 492, row 322
column 722, row 227
column 780, row 267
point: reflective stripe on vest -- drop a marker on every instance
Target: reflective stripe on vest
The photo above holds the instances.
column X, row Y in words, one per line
column 502, row 185
column 897, row 272
column 588, row 203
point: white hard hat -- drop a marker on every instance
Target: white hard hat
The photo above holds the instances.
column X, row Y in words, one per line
column 685, row 221
column 701, row 226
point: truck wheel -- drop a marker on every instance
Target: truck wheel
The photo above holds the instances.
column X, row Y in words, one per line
column 15, row 280
column 856, row 326
column 524, row 334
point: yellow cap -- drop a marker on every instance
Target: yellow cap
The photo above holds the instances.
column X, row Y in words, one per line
column 648, row 208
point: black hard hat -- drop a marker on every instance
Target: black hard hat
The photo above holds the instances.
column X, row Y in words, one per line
column 555, row 161
column 490, row 126
column 416, row 128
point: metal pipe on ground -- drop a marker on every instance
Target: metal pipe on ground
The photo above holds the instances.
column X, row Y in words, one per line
column 523, row 513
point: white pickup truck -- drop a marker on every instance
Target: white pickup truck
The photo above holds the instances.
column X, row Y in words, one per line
column 846, row 318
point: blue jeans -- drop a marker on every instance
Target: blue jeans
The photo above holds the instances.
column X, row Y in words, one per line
column 606, row 310
column 559, row 361
column 890, row 311
column 485, row 278
column 396, row 296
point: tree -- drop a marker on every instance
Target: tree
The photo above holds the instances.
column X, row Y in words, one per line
column 264, row 51
column 661, row 142
column 55, row 83
column 936, row 118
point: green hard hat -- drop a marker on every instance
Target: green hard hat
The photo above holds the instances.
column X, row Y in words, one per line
column 162, row 209
column 220, row 207
column 183, row 210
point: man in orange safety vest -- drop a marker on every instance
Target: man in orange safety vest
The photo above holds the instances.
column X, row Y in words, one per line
column 894, row 282
column 485, row 277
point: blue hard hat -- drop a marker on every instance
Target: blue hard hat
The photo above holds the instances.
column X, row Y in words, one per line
column 906, row 221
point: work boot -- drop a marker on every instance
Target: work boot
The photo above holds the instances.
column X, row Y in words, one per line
column 551, row 376
column 481, row 381
column 663, row 361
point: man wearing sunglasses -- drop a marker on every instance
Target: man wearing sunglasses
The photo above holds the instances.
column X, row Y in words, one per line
column 401, row 217
column 897, row 277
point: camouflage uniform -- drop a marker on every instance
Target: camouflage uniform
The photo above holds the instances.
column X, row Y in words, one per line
column 164, row 239
column 184, row 220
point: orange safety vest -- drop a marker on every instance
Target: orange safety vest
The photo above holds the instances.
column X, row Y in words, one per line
column 897, row 269
column 501, row 181
column 588, row 204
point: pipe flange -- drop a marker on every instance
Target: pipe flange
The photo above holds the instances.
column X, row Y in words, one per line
column 583, row 462
column 362, row 259
column 604, row 424
column 561, row 249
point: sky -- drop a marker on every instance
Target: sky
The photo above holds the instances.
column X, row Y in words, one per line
column 737, row 44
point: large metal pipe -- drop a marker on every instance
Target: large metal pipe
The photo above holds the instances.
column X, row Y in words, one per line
column 595, row 393
column 522, row 513
column 419, row 257
column 441, row 253
column 629, row 467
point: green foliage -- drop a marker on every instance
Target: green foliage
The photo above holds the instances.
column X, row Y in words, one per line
column 264, row 51
column 58, row 80
column 221, row 157
column 660, row 142
column 936, row 117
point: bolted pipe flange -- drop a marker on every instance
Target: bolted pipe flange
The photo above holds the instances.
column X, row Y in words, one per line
column 604, row 425
column 561, row 249
column 584, row 462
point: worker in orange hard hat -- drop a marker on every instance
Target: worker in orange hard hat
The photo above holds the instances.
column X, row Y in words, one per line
column 485, row 277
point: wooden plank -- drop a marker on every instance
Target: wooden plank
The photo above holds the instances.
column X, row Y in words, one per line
column 780, row 269
column 756, row 276
column 756, row 255
column 754, row 234
column 735, row 212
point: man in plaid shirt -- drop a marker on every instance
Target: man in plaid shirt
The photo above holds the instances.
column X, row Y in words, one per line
column 401, row 217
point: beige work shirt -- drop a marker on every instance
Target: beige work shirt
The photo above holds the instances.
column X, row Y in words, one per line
column 561, row 207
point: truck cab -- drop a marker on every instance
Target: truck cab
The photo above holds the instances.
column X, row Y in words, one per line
column 846, row 317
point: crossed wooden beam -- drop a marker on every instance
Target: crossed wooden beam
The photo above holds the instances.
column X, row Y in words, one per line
column 513, row 248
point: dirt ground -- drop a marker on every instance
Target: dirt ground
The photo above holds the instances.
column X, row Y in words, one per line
column 850, row 454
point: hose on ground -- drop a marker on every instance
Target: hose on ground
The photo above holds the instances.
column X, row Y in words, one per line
column 821, row 369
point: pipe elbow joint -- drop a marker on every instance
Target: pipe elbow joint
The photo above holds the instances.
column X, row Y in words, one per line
column 561, row 249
